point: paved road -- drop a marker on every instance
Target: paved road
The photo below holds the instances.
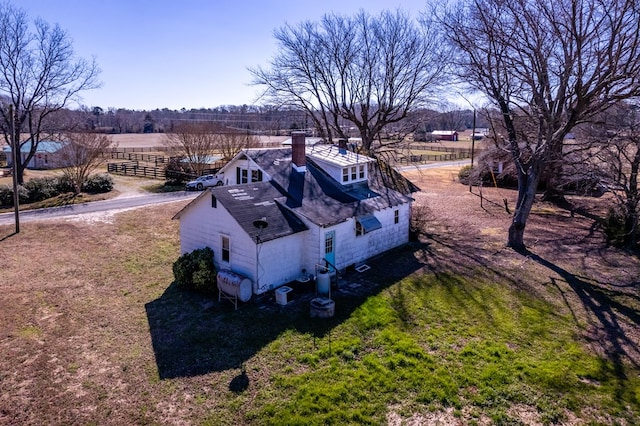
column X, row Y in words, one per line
column 96, row 206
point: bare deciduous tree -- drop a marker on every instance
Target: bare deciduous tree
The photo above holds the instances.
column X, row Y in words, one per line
column 82, row 153
column 362, row 71
column 199, row 141
column 229, row 143
column 195, row 141
column 39, row 75
column 613, row 158
column 547, row 66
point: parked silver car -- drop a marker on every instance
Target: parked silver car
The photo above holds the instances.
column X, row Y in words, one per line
column 205, row 181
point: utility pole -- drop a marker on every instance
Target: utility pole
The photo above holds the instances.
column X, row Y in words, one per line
column 14, row 153
column 473, row 134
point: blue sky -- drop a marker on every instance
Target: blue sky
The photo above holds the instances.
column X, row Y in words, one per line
column 183, row 53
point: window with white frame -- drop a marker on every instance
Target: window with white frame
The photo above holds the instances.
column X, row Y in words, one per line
column 245, row 175
column 355, row 173
column 226, row 249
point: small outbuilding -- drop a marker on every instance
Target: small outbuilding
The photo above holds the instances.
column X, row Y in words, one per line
column 445, row 135
column 47, row 155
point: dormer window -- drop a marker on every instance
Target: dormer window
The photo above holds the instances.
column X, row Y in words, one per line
column 344, row 166
column 354, row 173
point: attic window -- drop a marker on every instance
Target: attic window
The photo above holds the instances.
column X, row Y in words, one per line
column 366, row 224
column 354, row 173
column 244, row 175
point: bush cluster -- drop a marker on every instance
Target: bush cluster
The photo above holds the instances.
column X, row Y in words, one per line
column 178, row 172
column 617, row 230
column 39, row 189
column 98, row 184
column 464, row 174
column 6, row 195
column 195, row 271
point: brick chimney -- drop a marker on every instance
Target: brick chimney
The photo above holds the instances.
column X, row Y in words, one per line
column 298, row 151
column 342, row 146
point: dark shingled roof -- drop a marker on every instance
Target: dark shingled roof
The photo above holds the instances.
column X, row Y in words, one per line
column 317, row 196
column 257, row 201
column 312, row 194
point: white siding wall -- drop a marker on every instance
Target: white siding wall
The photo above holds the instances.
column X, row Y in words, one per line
column 230, row 176
column 280, row 261
column 203, row 226
column 332, row 170
column 196, row 225
column 350, row 249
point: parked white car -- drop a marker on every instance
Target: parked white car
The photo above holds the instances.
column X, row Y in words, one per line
column 205, row 181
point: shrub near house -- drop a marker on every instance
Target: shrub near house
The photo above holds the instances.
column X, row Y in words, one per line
column 195, row 271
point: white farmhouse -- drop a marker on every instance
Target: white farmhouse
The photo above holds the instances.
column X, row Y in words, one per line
column 285, row 210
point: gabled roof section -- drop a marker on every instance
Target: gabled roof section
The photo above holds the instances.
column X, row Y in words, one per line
column 326, row 202
column 320, row 198
column 251, row 202
column 313, row 194
column 334, row 155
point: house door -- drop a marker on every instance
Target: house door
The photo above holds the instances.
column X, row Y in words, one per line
column 329, row 248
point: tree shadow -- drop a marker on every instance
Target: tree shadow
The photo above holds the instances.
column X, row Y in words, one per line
column 610, row 311
column 193, row 334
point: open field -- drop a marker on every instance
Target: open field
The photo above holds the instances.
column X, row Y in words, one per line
column 150, row 140
column 451, row 329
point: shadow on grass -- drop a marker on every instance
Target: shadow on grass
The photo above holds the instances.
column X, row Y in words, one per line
column 611, row 306
column 194, row 334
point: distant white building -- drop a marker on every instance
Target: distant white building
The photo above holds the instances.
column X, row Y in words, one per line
column 445, row 135
column 285, row 210
column 47, row 155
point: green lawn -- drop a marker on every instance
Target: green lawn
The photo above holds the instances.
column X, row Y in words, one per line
column 438, row 342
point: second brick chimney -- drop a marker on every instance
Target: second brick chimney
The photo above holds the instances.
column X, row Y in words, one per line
column 342, row 146
column 298, row 155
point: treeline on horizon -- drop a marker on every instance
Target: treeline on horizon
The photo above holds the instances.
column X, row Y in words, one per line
column 253, row 119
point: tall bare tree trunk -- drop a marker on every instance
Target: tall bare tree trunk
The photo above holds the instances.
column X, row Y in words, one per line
column 527, row 188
